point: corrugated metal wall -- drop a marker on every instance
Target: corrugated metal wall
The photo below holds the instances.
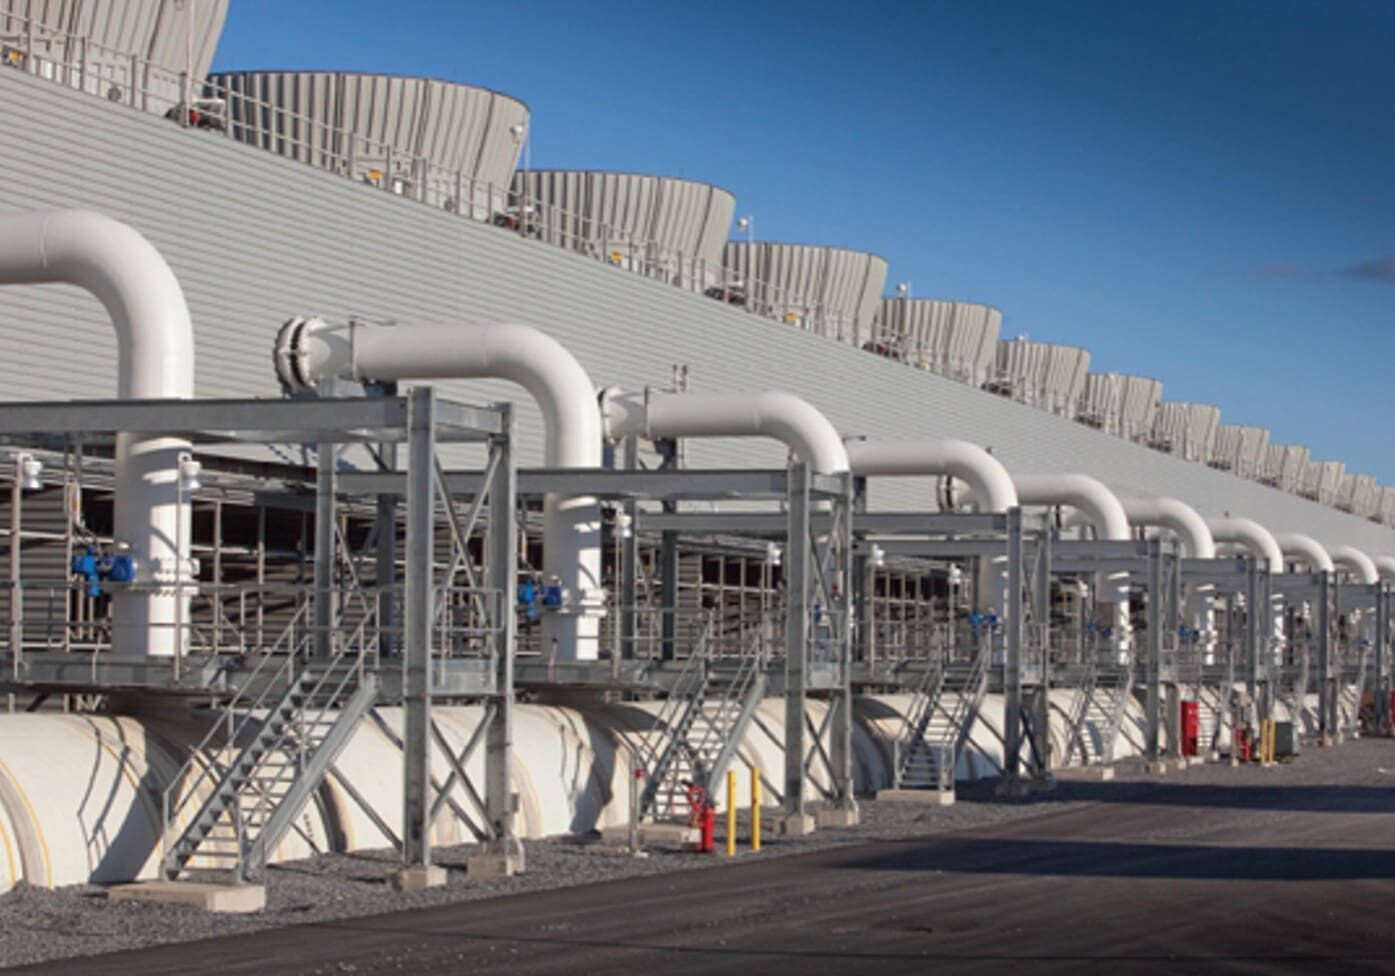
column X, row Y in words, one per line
column 255, row 238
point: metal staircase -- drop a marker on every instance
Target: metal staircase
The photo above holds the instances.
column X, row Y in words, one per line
column 1098, row 714
column 938, row 723
column 700, row 727
column 280, row 733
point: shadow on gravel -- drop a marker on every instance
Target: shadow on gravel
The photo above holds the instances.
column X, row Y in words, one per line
column 1105, row 859
column 1298, row 799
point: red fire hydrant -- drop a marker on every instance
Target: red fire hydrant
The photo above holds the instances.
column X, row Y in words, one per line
column 703, row 816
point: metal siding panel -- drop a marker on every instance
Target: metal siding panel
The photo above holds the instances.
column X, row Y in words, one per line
column 254, row 238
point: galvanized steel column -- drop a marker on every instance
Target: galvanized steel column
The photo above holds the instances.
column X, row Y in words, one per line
column 502, row 545
column 1153, row 666
column 326, row 455
column 416, row 660
column 1324, row 629
column 840, row 615
column 1012, row 664
column 796, row 634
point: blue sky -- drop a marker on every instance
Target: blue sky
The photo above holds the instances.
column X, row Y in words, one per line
column 1199, row 191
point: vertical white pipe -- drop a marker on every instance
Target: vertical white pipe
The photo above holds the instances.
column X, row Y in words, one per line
column 155, row 360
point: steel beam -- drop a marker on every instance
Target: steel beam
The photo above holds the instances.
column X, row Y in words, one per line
column 796, row 636
column 1012, row 664
column 501, row 577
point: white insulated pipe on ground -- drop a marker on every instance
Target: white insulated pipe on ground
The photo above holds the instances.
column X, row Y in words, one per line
column 310, row 349
column 154, row 360
column 1304, row 549
column 985, row 475
column 768, row 413
column 1353, row 559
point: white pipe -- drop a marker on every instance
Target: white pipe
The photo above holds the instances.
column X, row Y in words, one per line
column 308, row 350
column 1385, row 565
column 154, row 360
column 1197, row 543
column 1353, row 559
column 1250, row 534
column 1177, row 516
column 1305, row 549
column 769, row 413
column 988, row 480
column 1106, row 515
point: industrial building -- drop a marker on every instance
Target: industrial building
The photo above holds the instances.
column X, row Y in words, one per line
column 397, row 495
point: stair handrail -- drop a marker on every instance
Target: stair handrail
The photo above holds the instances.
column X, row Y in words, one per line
column 917, row 716
column 683, row 697
column 1080, row 708
column 253, row 695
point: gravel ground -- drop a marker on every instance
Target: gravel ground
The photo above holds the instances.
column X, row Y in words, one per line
column 38, row 924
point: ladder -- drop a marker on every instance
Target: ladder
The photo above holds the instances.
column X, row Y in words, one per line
column 1080, row 707
column 938, row 723
column 700, row 726
column 281, row 733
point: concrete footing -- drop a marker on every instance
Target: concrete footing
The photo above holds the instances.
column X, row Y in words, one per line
column 795, row 824
column 418, row 877
column 837, row 817
column 492, row 866
column 1015, row 786
column 937, row 798
column 209, row 897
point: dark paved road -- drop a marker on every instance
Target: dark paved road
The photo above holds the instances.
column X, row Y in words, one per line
column 1184, row 879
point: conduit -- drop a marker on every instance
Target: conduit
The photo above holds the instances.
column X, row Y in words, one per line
column 310, row 349
column 154, row 360
column 1197, row 543
column 782, row 416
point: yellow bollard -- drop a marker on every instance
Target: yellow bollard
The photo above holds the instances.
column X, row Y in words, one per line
column 755, row 809
column 731, row 813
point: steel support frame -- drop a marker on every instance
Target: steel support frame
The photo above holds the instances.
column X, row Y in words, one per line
column 417, row 611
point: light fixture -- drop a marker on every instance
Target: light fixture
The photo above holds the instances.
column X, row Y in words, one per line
column 956, row 576
column 624, row 523
column 903, row 289
column 773, row 553
column 189, row 471
column 877, row 557
column 30, row 468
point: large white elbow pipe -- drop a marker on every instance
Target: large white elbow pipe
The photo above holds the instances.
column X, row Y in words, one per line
column 988, row 480
column 1385, row 566
column 1106, row 515
column 309, row 349
column 1250, row 534
column 1176, row 515
column 782, row 416
column 1356, row 561
column 154, row 360
column 1304, row 549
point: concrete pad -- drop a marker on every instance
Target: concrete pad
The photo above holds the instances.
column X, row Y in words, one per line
column 668, row 834
column 1043, row 783
column 1158, row 768
column 209, row 897
column 795, row 824
column 1102, row 774
column 939, row 798
column 417, row 878
column 837, row 817
column 492, row 866
column 1015, row 787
